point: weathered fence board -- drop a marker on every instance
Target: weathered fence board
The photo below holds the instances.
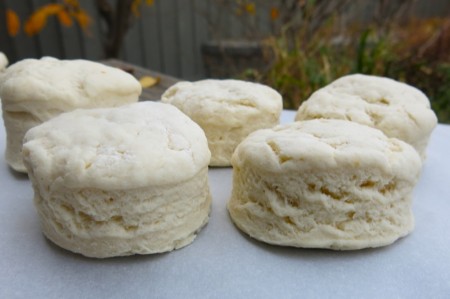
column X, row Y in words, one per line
column 167, row 37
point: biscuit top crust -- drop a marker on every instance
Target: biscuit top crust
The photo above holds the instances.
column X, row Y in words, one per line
column 223, row 100
column 137, row 145
column 62, row 85
column 323, row 145
column 3, row 61
column 381, row 90
column 394, row 107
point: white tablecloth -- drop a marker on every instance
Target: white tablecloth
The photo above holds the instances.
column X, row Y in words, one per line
column 224, row 263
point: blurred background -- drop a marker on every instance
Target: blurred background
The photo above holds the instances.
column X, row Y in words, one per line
column 294, row 46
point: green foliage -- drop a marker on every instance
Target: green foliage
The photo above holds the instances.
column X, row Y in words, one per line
column 403, row 53
column 373, row 54
column 441, row 99
column 434, row 82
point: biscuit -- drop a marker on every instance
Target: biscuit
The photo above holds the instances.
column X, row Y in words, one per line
column 33, row 91
column 397, row 109
column 227, row 110
column 3, row 61
column 3, row 65
column 324, row 184
column 120, row 181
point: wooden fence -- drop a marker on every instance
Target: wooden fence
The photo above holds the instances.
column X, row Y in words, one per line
column 166, row 38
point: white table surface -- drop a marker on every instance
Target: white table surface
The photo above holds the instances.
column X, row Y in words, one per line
column 224, row 263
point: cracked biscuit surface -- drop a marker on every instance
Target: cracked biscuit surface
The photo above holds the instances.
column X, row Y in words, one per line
column 227, row 110
column 35, row 90
column 397, row 109
column 324, row 184
column 120, row 181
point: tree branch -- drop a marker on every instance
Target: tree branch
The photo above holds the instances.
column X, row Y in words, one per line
column 105, row 10
column 118, row 21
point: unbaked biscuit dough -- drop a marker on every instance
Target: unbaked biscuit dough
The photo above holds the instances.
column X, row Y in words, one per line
column 227, row 110
column 120, row 181
column 3, row 65
column 3, row 61
column 397, row 109
column 324, row 184
column 33, row 91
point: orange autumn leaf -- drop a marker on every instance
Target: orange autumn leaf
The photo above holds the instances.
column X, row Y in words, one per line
column 250, row 8
column 82, row 18
column 274, row 13
column 64, row 18
column 135, row 7
column 38, row 19
column 51, row 9
column 72, row 3
column 35, row 23
column 136, row 4
column 12, row 22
